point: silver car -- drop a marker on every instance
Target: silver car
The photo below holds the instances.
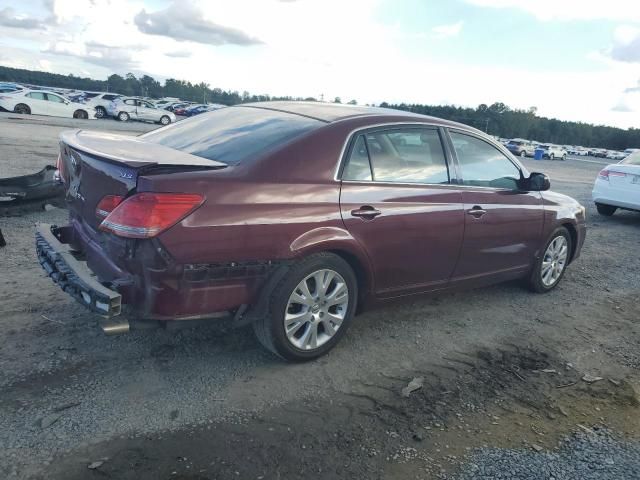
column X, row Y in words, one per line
column 129, row 108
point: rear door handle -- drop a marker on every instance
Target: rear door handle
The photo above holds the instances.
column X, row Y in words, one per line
column 366, row 212
column 477, row 211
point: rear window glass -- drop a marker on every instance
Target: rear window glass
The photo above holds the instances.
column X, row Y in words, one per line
column 633, row 159
column 233, row 135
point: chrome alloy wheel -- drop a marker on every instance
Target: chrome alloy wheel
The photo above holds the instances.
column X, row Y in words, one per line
column 554, row 261
column 316, row 309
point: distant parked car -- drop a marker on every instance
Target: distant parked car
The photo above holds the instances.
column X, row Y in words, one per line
column 183, row 109
column 618, row 186
column 125, row 109
column 40, row 102
column 101, row 101
column 629, row 151
column 172, row 107
column 553, row 151
column 521, row 148
column 202, row 109
column 613, row 155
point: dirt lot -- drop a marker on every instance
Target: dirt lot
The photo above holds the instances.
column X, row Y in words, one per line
column 501, row 368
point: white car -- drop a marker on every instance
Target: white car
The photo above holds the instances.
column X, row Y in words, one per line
column 43, row 102
column 553, row 151
column 125, row 109
column 100, row 101
column 618, row 186
column 612, row 155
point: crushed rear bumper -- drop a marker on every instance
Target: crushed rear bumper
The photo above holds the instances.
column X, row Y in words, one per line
column 72, row 274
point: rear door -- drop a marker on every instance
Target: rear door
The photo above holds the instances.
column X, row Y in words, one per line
column 38, row 103
column 397, row 201
column 503, row 225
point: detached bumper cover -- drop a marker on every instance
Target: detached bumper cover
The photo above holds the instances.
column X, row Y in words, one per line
column 73, row 275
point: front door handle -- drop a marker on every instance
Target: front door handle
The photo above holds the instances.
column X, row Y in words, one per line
column 477, row 211
column 366, row 212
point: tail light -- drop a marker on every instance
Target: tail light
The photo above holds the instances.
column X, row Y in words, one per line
column 107, row 205
column 58, row 175
column 606, row 174
column 145, row 215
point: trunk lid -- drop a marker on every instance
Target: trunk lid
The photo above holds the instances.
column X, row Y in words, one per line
column 630, row 181
column 96, row 164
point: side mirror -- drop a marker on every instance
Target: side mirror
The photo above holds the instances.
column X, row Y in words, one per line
column 537, row 182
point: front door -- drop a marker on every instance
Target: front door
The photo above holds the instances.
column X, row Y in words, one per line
column 57, row 106
column 503, row 225
column 397, row 202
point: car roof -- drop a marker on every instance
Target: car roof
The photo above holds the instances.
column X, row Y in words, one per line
column 333, row 112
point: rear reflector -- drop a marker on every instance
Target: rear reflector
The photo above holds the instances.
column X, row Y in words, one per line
column 107, row 205
column 145, row 215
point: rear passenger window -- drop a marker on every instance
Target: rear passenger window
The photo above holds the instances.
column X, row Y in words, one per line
column 358, row 167
column 36, row 95
column 412, row 155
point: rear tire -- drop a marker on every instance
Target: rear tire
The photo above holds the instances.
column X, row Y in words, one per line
column 552, row 157
column 606, row 210
column 539, row 281
column 123, row 116
column 22, row 109
column 311, row 316
column 523, row 154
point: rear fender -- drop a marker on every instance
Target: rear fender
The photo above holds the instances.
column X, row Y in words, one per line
column 323, row 239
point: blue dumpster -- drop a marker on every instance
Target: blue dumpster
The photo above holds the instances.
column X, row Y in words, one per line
column 538, row 154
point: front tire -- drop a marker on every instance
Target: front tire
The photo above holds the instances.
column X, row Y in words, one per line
column 22, row 109
column 523, row 154
column 564, row 157
column 100, row 112
column 606, row 210
column 552, row 157
column 81, row 114
column 550, row 267
column 165, row 120
column 123, row 116
column 310, row 309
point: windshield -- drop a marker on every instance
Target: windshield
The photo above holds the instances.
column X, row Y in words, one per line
column 233, row 135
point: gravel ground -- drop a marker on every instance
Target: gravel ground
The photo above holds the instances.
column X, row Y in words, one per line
column 583, row 456
column 500, row 366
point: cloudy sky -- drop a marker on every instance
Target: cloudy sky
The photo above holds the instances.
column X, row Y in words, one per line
column 573, row 59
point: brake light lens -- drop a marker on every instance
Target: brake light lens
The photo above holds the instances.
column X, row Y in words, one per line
column 107, row 205
column 607, row 174
column 146, row 215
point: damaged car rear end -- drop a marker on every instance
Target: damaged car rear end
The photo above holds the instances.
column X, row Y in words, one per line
column 156, row 223
column 121, row 200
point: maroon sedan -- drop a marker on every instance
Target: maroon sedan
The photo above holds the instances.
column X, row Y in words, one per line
column 293, row 216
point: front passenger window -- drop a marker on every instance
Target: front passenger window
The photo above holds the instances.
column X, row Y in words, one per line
column 483, row 165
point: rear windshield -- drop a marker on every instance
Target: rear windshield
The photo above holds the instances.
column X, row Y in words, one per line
column 233, row 135
column 633, row 159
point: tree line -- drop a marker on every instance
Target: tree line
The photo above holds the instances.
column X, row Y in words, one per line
column 496, row 119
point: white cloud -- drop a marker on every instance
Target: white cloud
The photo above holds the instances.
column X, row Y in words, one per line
column 626, row 46
column 447, row 31
column 619, row 10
